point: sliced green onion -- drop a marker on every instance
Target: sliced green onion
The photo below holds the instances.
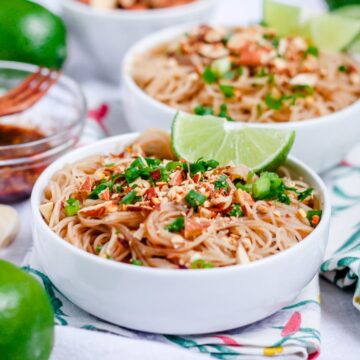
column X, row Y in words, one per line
column 195, row 199
column 72, row 207
column 177, row 225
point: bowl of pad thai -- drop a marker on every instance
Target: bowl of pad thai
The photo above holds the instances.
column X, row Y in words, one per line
column 248, row 75
column 106, row 29
column 136, row 236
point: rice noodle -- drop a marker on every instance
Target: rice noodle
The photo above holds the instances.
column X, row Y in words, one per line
column 273, row 79
column 107, row 227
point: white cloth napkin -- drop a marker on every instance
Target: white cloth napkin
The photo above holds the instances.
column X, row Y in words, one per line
column 77, row 344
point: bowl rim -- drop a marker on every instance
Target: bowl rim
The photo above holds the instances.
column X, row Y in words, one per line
column 80, row 120
column 153, row 14
column 157, row 38
column 123, row 140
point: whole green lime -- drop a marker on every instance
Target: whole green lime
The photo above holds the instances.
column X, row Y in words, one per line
column 32, row 34
column 26, row 316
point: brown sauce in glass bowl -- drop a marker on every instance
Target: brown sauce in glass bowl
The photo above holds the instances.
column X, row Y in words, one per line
column 16, row 181
column 13, row 134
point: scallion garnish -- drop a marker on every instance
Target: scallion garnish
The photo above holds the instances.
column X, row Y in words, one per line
column 227, row 90
column 221, row 183
column 130, row 198
column 312, row 50
column 201, row 264
column 177, row 225
column 304, row 194
column 209, row 76
column 72, row 207
column 203, row 110
column 314, row 216
column 195, row 199
column 343, row 68
column 136, row 262
column 236, row 211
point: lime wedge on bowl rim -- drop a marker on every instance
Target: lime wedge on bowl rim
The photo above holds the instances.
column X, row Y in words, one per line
column 282, row 17
column 328, row 31
column 215, row 138
column 351, row 12
column 333, row 32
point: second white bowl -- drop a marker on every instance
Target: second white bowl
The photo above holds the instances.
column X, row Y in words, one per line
column 320, row 142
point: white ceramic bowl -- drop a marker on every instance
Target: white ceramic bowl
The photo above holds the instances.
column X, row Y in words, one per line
column 320, row 142
column 176, row 301
column 107, row 34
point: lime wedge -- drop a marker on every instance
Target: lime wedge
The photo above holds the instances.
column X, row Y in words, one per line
column 284, row 18
column 333, row 32
column 328, row 31
column 351, row 12
column 215, row 138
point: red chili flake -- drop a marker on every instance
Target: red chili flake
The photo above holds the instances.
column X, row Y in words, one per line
column 150, row 193
column 156, row 175
column 127, row 189
column 315, row 219
column 197, row 178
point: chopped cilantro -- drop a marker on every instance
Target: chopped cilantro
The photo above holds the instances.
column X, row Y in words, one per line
column 221, row 183
column 240, row 70
column 227, row 90
column 72, row 207
column 177, row 225
column 98, row 248
column 312, row 50
column 209, row 76
column 304, row 194
column 152, row 162
column 224, row 113
column 343, row 68
column 203, row 110
column 261, row 73
column 173, row 165
column 227, row 37
column 130, row 198
column 202, row 165
column 136, row 262
column 195, row 199
column 109, row 165
column 303, row 90
column 236, row 211
column 201, row 264
column 273, row 103
column 99, row 188
column 314, row 216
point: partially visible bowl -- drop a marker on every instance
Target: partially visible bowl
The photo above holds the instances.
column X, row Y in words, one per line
column 107, row 34
column 59, row 117
column 320, row 142
column 176, row 301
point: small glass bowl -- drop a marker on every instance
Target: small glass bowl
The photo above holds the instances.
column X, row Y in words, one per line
column 60, row 115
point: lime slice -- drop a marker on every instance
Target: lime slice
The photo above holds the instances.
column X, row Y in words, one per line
column 333, row 32
column 284, row 18
column 215, row 138
column 349, row 11
column 354, row 47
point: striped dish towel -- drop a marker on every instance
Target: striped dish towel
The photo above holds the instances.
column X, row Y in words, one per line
column 342, row 266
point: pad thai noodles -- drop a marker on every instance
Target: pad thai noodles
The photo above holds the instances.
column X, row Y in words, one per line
column 135, row 4
column 143, row 207
column 248, row 74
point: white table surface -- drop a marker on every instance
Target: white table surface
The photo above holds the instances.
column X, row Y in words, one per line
column 340, row 326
